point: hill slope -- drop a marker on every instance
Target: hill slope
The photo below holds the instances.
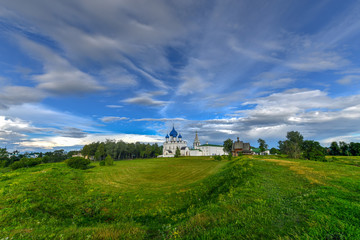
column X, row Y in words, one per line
column 189, row 198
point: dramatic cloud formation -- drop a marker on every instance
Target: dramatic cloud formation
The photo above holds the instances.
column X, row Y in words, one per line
column 75, row 71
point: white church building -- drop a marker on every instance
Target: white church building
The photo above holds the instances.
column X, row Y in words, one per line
column 174, row 141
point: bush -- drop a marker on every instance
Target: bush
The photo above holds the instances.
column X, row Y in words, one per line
column 217, row 158
column 78, row 162
column 46, row 159
column 102, row 163
column 109, row 161
column 26, row 162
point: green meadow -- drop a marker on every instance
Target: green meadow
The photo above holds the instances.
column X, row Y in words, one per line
column 251, row 197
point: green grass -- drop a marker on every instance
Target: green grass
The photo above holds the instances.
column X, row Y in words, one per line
column 350, row 160
column 254, row 197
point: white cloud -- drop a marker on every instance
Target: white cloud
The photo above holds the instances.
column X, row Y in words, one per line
column 46, row 117
column 112, row 119
column 349, row 79
column 145, row 99
column 318, row 61
column 114, row 106
column 158, row 119
column 17, row 95
column 275, row 83
column 59, row 76
column 119, row 78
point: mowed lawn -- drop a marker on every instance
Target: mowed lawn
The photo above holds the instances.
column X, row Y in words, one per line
column 154, row 176
column 252, row 197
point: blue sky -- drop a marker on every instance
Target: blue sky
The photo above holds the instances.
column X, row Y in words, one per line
column 74, row 72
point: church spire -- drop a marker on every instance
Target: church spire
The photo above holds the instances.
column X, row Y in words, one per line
column 196, row 141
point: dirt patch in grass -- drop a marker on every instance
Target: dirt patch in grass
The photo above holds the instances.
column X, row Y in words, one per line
column 310, row 174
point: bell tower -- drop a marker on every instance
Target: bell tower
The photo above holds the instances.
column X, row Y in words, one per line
column 196, row 141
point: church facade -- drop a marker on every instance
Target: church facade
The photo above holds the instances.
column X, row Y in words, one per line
column 174, row 141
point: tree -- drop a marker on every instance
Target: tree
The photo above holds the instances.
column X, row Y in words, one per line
column 4, row 158
column 148, row 151
column 228, row 143
column 177, row 152
column 354, row 149
column 100, row 152
column 71, row 153
column 3, row 154
column 274, row 151
column 292, row 146
column 344, row 148
column 313, row 151
column 334, row 149
column 56, row 156
column 262, row 145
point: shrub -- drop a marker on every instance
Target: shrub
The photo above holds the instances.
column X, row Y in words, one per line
column 78, row 162
column 177, row 152
column 217, row 158
column 46, row 159
column 2, row 163
column 26, row 162
column 109, row 161
column 102, row 163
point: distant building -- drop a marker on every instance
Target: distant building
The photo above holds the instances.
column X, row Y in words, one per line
column 257, row 151
column 174, row 141
column 206, row 149
column 239, row 147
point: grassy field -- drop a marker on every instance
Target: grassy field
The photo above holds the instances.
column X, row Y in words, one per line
column 253, row 197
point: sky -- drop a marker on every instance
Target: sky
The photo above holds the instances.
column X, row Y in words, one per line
column 75, row 72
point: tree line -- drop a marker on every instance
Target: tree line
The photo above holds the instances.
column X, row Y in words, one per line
column 344, row 149
column 296, row 147
column 7, row 159
column 119, row 150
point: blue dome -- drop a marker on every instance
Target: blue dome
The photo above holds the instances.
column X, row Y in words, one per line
column 180, row 136
column 167, row 136
column 173, row 133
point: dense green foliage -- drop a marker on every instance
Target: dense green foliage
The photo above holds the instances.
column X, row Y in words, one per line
column 292, row 146
column 3, row 154
column 274, row 151
column 109, row 161
column 228, row 146
column 120, row 150
column 262, row 145
column 78, row 162
column 312, row 150
column 26, row 162
column 177, row 152
column 344, row 149
column 254, row 197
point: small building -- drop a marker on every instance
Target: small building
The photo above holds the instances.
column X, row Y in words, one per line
column 257, row 151
column 239, row 148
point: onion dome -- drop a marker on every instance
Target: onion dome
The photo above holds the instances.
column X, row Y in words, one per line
column 167, row 136
column 179, row 136
column 173, row 133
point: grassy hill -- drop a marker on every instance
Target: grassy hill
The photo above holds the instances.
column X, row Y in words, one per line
column 253, row 197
